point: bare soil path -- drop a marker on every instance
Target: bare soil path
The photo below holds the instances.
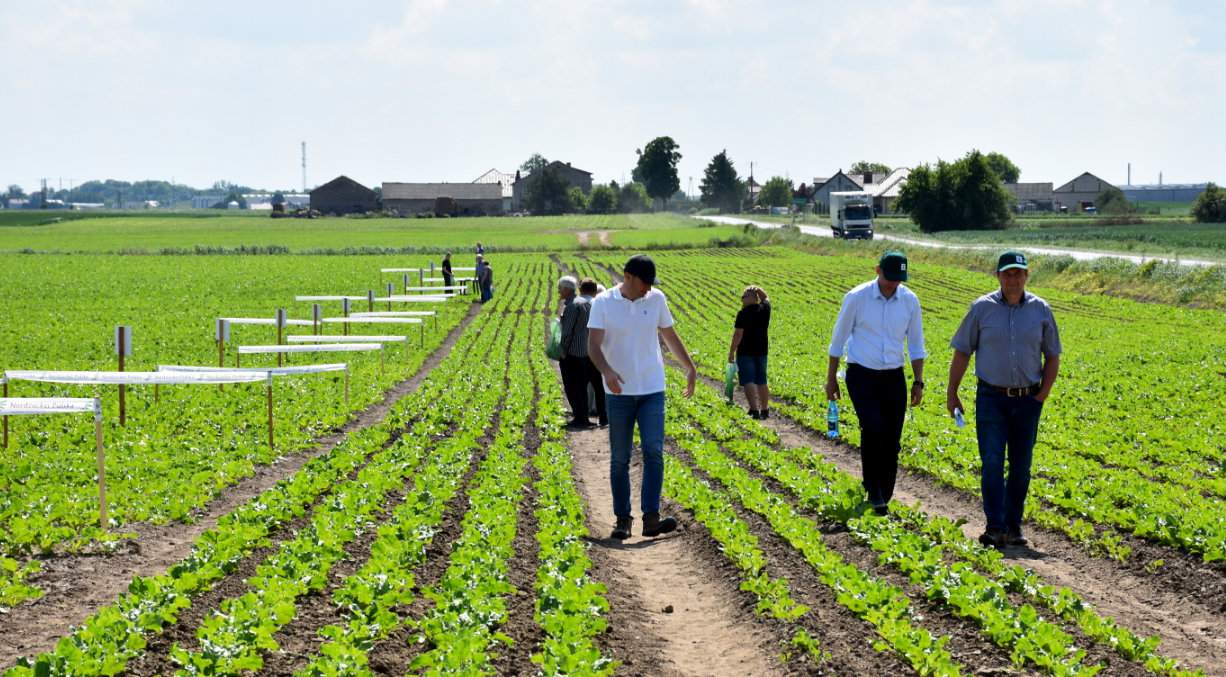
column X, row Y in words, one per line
column 1191, row 631
column 76, row 586
column 672, row 612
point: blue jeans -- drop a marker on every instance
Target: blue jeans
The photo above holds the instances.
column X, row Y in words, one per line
column 1005, row 425
column 624, row 411
column 751, row 369
column 487, row 292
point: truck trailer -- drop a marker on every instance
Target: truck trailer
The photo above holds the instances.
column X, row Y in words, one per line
column 851, row 215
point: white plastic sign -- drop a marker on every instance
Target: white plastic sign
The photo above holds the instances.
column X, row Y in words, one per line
column 123, row 340
column 317, row 313
column 221, row 332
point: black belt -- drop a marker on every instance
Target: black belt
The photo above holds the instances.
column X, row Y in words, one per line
column 1023, row 391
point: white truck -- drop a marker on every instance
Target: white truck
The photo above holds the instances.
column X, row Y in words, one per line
column 851, row 215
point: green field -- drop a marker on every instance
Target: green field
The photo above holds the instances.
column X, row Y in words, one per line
column 153, row 234
column 464, row 533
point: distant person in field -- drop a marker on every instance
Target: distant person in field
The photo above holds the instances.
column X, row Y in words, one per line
column 578, row 372
column 879, row 323
column 448, row 278
column 625, row 326
column 485, row 278
column 1014, row 336
column 749, row 348
column 480, row 256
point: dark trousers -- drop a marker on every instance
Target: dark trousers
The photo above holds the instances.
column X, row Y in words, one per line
column 448, row 280
column 577, row 374
column 1006, row 427
column 880, row 400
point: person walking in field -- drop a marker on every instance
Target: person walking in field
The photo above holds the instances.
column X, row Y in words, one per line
column 877, row 319
column 448, row 278
column 625, row 326
column 578, row 372
column 485, row 279
column 749, row 348
column 1014, row 337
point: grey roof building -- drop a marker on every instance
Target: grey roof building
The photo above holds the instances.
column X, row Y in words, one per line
column 838, row 182
column 1080, row 193
column 454, row 199
column 572, row 176
column 1036, row 196
column 343, row 195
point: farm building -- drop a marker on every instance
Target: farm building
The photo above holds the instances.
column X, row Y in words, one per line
column 1169, row 192
column 504, row 179
column 1080, row 193
column 1029, row 197
column 572, row 176
column 886, row 189
column 822, row 188
column 343, row 195
column 455, row 199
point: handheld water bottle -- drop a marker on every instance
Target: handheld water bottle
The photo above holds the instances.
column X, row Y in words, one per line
column 832, row 420
column 959, row 419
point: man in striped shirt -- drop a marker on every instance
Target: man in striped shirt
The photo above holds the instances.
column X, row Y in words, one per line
column 578, row 372
column 876, row 319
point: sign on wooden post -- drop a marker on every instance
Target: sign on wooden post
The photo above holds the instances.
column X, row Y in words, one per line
column 123, row 349
column 406, row 283
column 345, row 311
column 4, row 384
column 370, row 300
column 391, row 291
column 317, row 317
column 281, row 317
column 269, row 389
column 101, row 453
column 221, row 334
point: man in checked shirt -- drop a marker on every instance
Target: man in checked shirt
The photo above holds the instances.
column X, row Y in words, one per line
column 1016, row 344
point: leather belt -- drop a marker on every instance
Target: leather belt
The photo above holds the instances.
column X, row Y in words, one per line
column 1023, row 391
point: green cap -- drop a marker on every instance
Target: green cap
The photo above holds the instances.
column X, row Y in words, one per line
column 894, row 266
column 1011, row 259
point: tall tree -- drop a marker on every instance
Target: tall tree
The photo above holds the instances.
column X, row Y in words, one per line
column 1003, row 166
column 864, row 166
column 657, row 168
column 15, row 191
column 1210, row 206
column 632, row 198
column 777, row 192
column 548, row 193
column 534, row 164
column 603, row 200
column 721, row 188
column 962, row 195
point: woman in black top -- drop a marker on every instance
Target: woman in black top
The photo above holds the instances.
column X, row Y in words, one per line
column 448, row 278
column 749, row 348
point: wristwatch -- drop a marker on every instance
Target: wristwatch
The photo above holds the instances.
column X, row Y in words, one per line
column 917, row 382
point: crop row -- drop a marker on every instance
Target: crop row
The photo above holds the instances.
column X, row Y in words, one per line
column 932, row 552
column 174, row 455
column 115, row 634
column 1127, row 438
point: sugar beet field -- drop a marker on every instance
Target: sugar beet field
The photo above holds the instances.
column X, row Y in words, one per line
column 425, row 510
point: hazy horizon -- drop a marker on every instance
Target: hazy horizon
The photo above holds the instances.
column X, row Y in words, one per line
column 444, row 90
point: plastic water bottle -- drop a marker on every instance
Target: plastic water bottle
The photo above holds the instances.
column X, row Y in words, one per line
column 959, row 419
column 832, row 420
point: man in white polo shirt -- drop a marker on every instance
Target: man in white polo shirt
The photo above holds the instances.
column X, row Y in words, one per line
column 624, row 328
column 876, row 319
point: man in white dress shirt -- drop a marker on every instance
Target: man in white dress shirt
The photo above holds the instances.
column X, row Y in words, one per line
column 876, row 320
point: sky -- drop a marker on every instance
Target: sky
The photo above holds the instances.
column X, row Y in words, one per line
column 443, row 90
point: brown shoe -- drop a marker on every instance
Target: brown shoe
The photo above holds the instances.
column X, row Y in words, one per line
column 993, row 539
column 621, row 530
column 654, row 525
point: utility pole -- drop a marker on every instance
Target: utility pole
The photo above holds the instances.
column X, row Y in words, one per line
column 304, row 166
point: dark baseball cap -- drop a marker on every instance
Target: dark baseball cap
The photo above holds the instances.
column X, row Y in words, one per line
column 894, row 266
column 642, row 267
column 1011, row 259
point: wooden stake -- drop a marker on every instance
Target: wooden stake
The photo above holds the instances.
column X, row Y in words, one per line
column 269, row 390
column 121, row 341
column 101, row 452
column 5, row 383
column 346, row 386
column 390, row 290
column 345, row 311
column 221, row 360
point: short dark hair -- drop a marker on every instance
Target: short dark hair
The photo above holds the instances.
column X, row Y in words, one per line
column 587, row 286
